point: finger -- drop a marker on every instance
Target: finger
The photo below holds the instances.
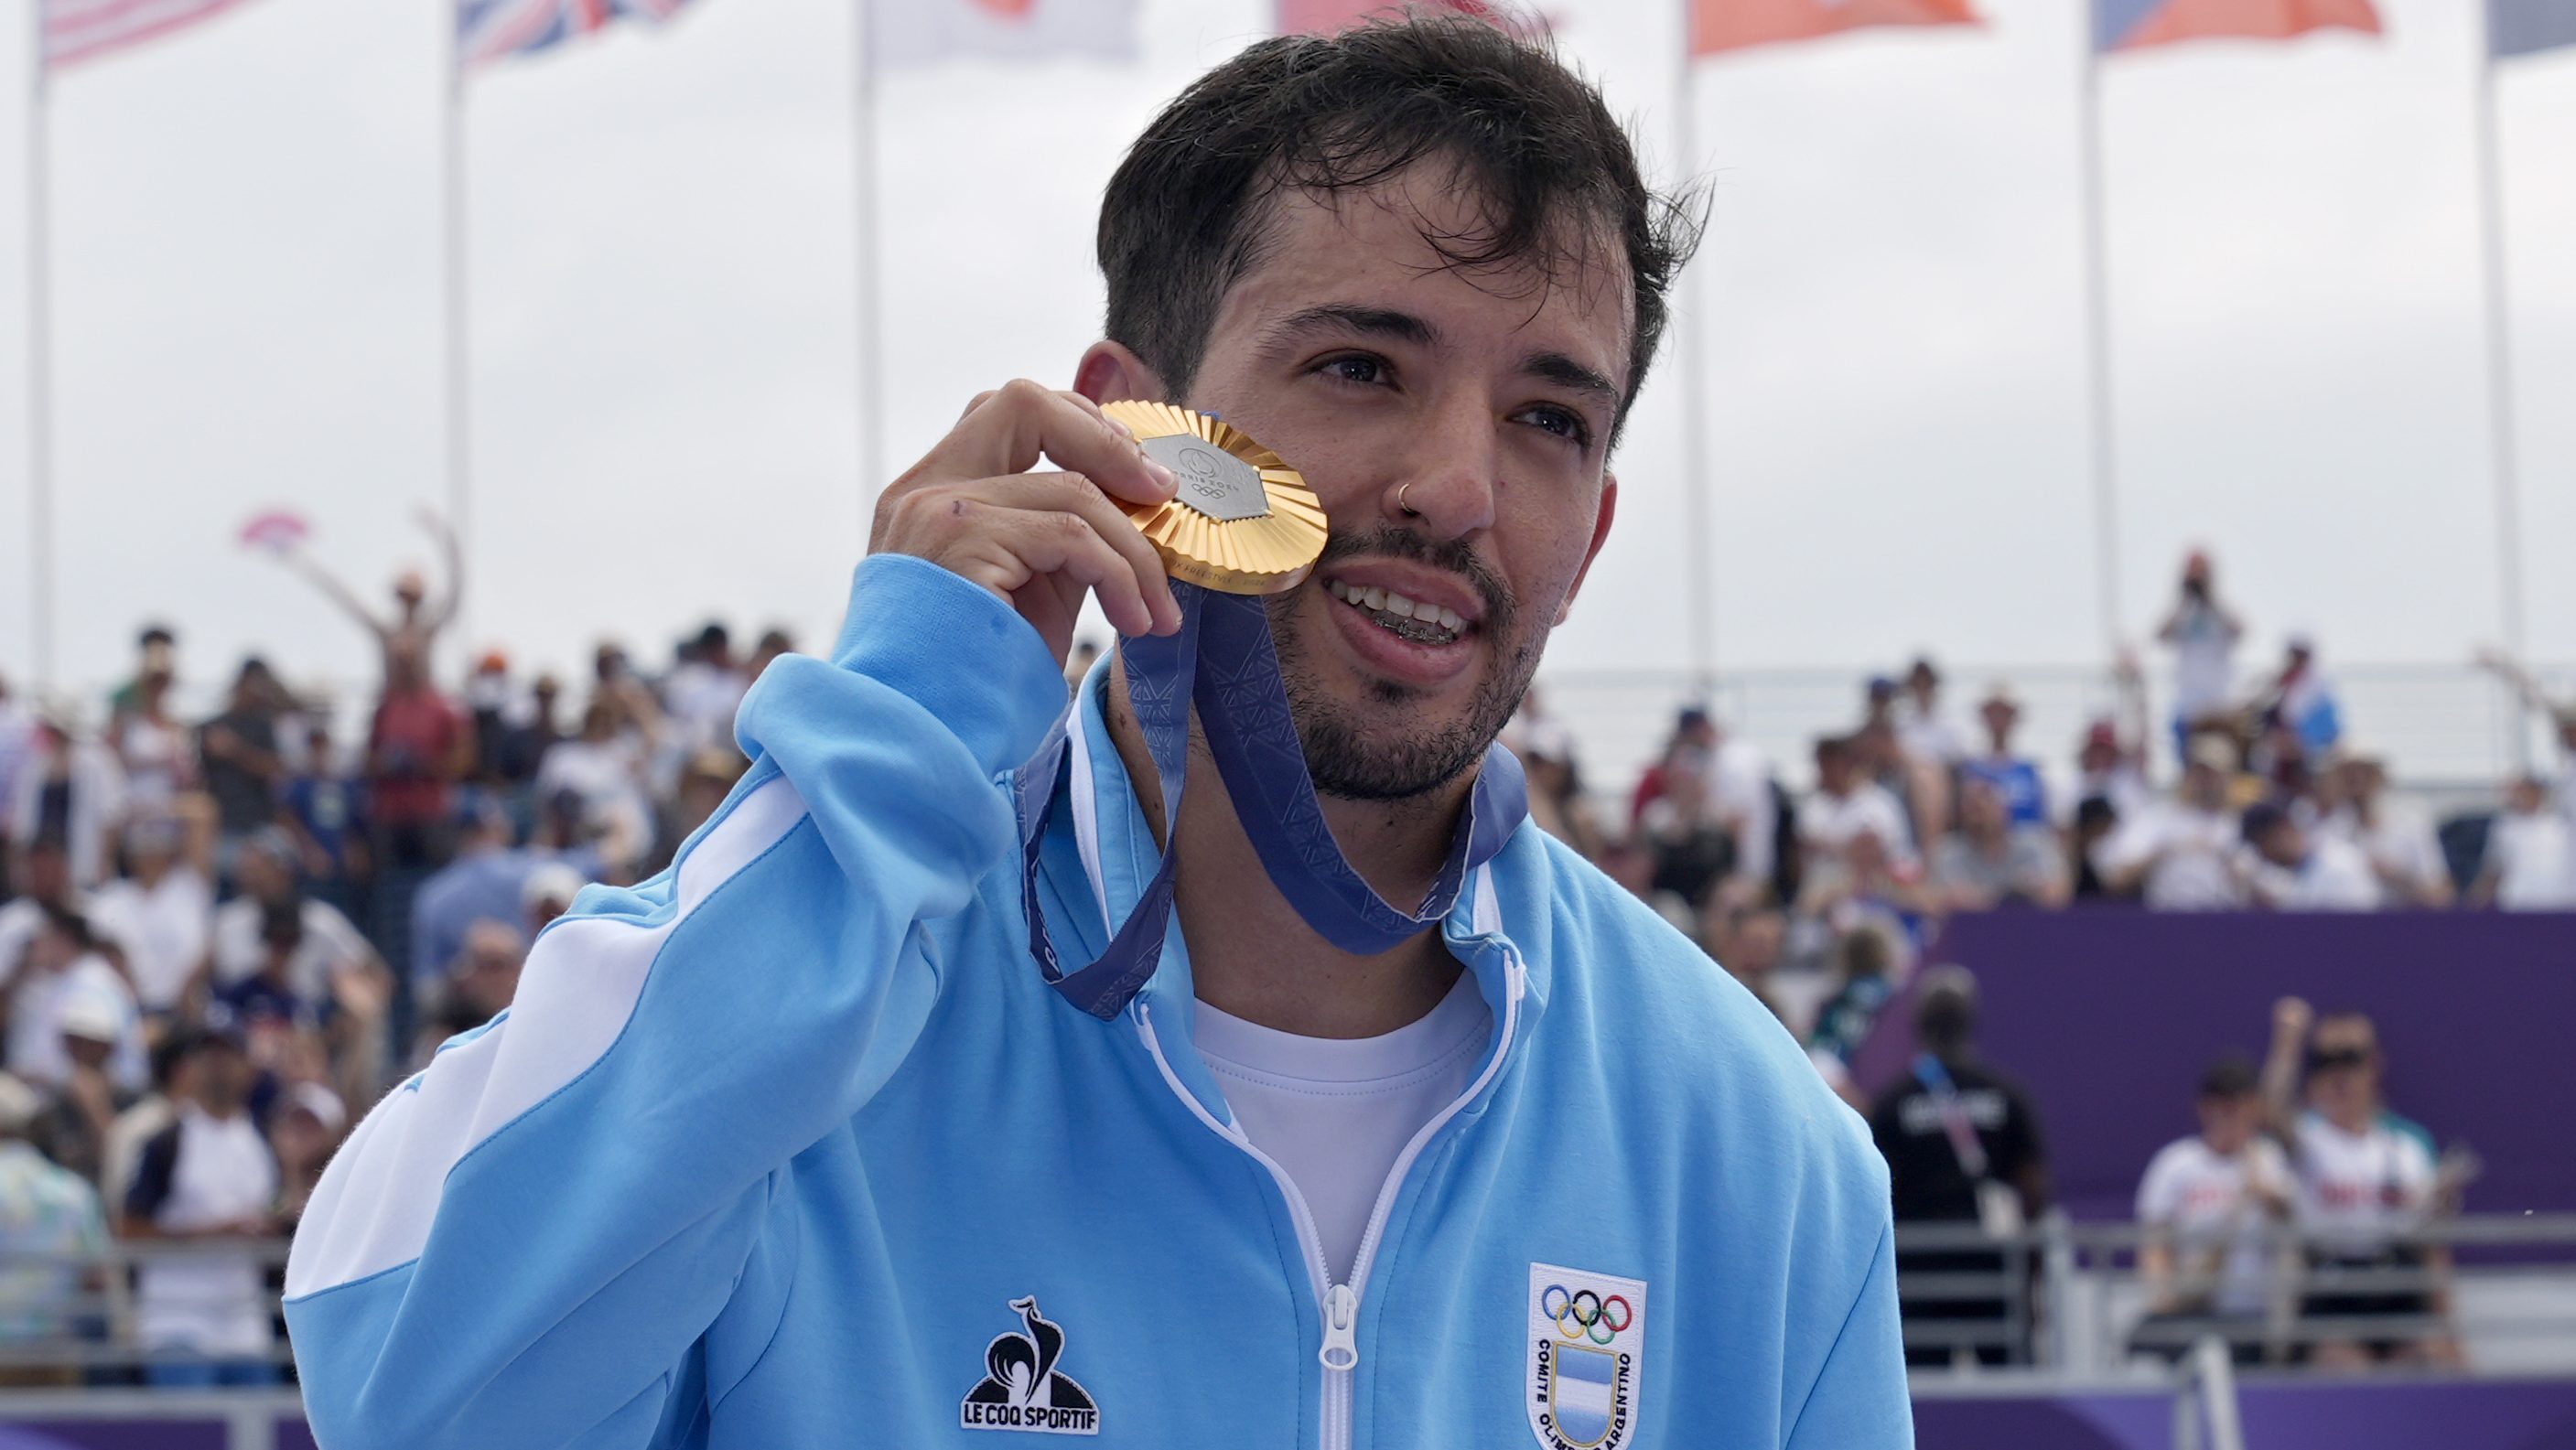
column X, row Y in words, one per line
column 1023, row 422
column 1075, row 494
column 1013, row 546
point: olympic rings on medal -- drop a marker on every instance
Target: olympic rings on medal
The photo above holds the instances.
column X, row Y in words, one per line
column 1585, row 1315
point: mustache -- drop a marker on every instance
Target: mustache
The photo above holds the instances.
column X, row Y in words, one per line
column 1453, row 556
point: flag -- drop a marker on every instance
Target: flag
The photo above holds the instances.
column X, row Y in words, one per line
column 917, row 32
column 75, row 30
column 1717, row 25
column 488, row 30
column 2132, row 24
column 1332, row 17
column 275, row 530
column 2519, row 27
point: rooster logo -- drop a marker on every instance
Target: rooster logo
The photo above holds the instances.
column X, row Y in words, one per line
column 1022, row 1389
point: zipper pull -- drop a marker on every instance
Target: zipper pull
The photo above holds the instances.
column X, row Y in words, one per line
column 1341, row 1328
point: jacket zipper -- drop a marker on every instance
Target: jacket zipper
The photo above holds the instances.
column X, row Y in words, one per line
column 1338, row 1305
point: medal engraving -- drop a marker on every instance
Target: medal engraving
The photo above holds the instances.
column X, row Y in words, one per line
column 1213, row 481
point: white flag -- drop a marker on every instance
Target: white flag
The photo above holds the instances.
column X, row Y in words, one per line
column 916, row 32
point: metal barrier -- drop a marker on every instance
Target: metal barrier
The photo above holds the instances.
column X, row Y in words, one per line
column 77, row 1319
column 2206, row 1399
column 2060, row 1295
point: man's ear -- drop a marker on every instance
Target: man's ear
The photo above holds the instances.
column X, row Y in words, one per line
column 1600, row 536
column 1110, row 372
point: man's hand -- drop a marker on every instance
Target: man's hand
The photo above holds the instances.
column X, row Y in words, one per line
column 1039, row 540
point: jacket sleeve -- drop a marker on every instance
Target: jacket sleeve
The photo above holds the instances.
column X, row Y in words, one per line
column 523, row 1244
column 1859, row 1399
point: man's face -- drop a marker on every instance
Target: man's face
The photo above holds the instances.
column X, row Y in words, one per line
column 1482, row 403
column 2000, row 717
column 2343, row 1069
column 2227, row 1124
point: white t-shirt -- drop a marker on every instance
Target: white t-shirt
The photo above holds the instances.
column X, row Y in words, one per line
column 1928, row 735
column 2534, row 857
column 1335, row 1113
column 2400, row 841
column 2357, row 1189
column 211, row 1300
column 2190, row 849
column 2204, row 660
column 2218, row 1223
column 1740, row 790
column 2335, row 877
column 163, row 927
column 1831, row 825
column 37, row 1002
column 328, row 944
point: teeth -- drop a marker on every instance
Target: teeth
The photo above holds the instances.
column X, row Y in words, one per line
column 1398, row 605
column 1450, row 621
column 1418, row 620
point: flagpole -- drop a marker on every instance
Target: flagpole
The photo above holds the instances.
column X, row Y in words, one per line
column 871, row 403
column 2097, row 315
column 2500, row 422
column 459, row 420
column 40, row 362
column 1695, row 562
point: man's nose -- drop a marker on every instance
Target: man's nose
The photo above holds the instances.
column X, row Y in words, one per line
column 1450, row 473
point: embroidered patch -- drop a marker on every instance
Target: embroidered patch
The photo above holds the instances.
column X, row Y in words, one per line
column 1587, row 1339
column 1023, row 1390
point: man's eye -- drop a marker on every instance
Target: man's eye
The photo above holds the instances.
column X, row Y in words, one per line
column 1356, row 369
column 1561, row 423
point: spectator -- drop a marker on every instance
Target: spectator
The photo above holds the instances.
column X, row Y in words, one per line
column 704, row 691
column 64, row 970
column 2014, row 775
column 773, row 643
column 2112, row 770
column 1693, row 848
column 2367, row 1181
column 2096, row 822
column 50, row 1221
column 278, row 953
column 2290, row 869
column 408, row 639
column 2530, row 862
column 2179, row 853
column 1962, row 1147
column 1542, row 743
column 2405, row 856
column 81, row 1112
column 324, row 809
column 477, row 985
column 2207, row 1206
column 1922, row 727
column 1991, row 860
column 604, row 768
column 2203, row 633
column 2302, row 700
column 1866, row 968
column 1746, row 935
column 244, row 758
column 548, row 894
column 161, row 914
column 152, row 748
column 17, row 741
column 209, row 1178
column 310, row 1123
column 418, row 748
column 1690, row 750
column 69, row 789
column 1847, row 810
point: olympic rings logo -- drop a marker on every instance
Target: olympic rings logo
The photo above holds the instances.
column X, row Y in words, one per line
column 1585, row 1315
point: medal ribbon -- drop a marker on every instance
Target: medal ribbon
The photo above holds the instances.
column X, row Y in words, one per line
column 1223, row 658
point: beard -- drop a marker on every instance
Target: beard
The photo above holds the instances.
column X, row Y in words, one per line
column 1366, row 750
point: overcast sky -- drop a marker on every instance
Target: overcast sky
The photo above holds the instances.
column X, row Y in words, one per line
column 247, row 310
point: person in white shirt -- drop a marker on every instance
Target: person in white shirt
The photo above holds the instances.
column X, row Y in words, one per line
column 605, row 769
column 2208, row 1204
column 2367, row 1183
column 1845, row 808
column 209, row 1177
column 1927, row 732
column 2181, row 852
column 2530, row 860
column 2288, row 869
column 163, row 912
column 63, row 971
column 69, row 788
column 2203, row 633
column 2405, row 856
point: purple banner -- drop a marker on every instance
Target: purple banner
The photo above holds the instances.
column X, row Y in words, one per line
column 2346, row 1416
column 115, row 1435
column 2109, row 1016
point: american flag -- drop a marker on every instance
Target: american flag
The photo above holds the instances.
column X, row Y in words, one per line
column 487, row 30
column 76, row 30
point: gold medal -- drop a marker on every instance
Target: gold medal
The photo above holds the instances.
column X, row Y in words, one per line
column 1241, row 522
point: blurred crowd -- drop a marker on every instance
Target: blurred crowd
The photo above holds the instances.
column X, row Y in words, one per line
column 223, row 936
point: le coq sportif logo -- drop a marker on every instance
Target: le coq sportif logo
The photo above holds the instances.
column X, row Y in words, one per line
column 1022, row 1389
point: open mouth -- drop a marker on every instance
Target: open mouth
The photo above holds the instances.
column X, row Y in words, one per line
column 1418, row 621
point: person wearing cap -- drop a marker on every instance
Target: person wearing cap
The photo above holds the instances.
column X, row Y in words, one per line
column 309, row 1123
column 2013, row 775
column 865, row 1122
column 2208, row 1205
column 82, row 1109
column 65, row 967
column 203, row 1317
column 53, row 1231
column 2180, row 853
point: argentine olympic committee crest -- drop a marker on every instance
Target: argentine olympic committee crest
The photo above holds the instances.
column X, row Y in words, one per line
column 1587, row 1354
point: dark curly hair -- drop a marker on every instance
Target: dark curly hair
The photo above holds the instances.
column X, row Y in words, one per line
column 1184, row 217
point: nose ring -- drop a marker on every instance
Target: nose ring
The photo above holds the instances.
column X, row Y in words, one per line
column 1408, row 510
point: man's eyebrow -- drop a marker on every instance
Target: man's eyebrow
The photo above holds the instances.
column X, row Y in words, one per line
column 1367, row 321
column 1565, row 372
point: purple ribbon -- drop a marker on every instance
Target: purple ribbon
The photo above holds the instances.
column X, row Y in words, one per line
column 1223, row 658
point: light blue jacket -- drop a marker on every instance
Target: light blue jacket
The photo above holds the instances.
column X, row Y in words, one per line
column 791, row 1146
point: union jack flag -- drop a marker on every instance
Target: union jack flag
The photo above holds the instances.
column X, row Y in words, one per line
column 75, row 30
column 487, row 30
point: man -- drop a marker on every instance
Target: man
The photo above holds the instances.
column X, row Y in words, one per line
column 2007, row 770
column 2367, row 1179
column 202, row 1318
column 2405, row 856
column 1929, row 736
column 244, row 755
column 2292, row 869
column 796, row 1144
column 161, row 914
column 280, row 953
column 2207, row 1205
column 407, row 639
column 2530, row 859
column 50, row 1221
column 2180, row 853
column 2203, row 632
column 1991, row 859
column 1848, row 807
column 1963, row 1150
